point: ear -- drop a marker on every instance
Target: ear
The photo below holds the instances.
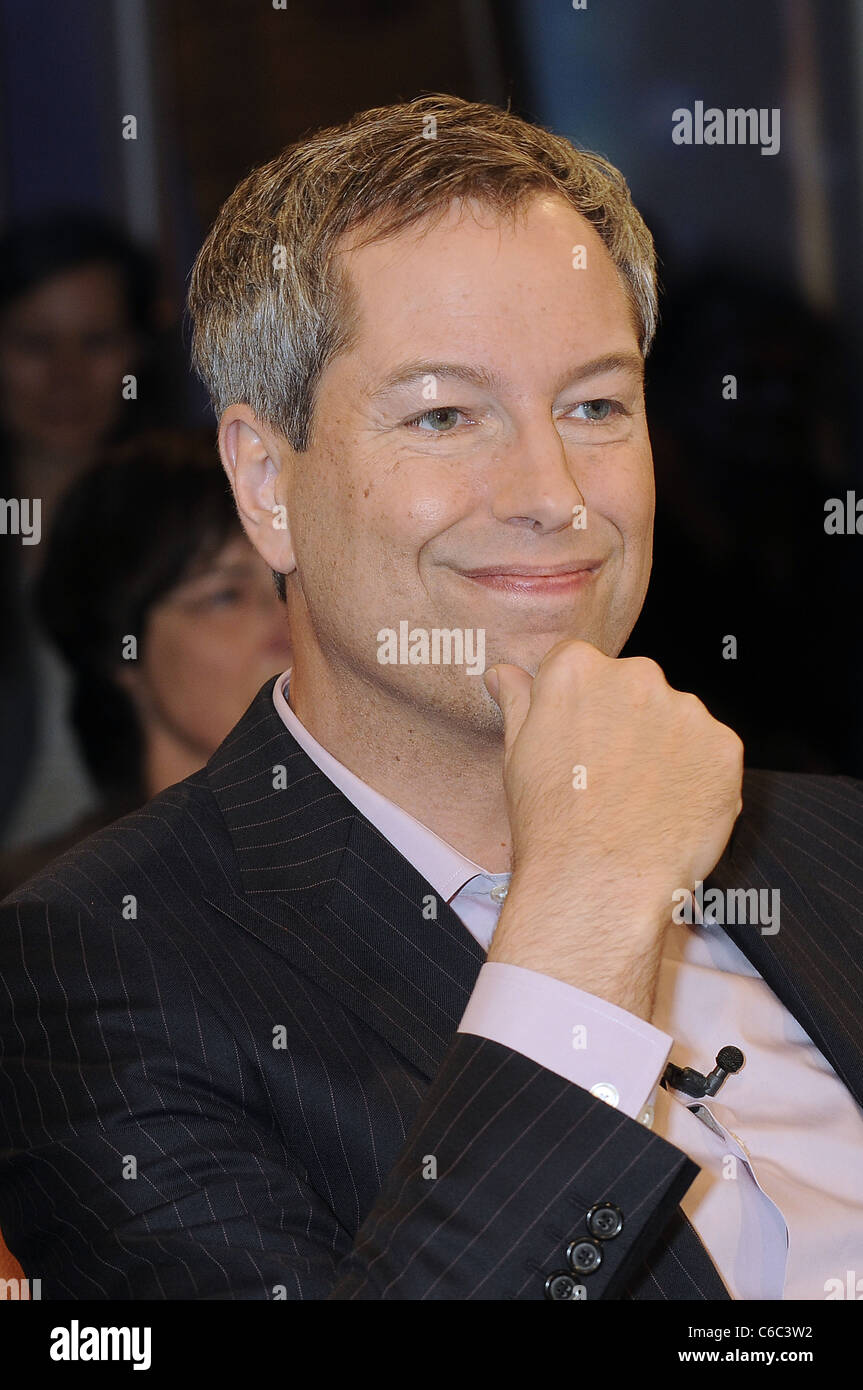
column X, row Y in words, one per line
column 255, row 462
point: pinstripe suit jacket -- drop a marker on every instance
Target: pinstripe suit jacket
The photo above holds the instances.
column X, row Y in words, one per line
column 230, row 1065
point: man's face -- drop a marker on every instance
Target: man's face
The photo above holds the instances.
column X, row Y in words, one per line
column 452, row 444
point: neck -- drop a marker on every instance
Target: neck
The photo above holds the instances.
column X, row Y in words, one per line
column 445, row 774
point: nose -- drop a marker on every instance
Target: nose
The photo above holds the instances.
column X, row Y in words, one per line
column 535, row 487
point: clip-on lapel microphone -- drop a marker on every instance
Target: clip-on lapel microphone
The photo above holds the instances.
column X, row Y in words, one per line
column 728, row 1061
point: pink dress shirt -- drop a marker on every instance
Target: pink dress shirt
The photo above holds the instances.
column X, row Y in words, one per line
column 778, row 1203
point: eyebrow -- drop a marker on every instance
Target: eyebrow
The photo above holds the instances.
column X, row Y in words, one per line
column 630, row 363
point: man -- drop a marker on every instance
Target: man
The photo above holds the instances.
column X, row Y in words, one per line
column 275, row 1036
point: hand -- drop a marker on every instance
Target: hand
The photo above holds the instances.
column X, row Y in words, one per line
column 595, row 865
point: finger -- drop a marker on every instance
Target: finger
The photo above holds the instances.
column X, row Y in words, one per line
column 511, row 692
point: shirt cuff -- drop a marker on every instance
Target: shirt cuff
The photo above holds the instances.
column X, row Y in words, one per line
column 615, row 1055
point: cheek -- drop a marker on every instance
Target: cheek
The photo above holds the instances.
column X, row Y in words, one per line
column 422, row 499
column 365, row 522
column 373, row 524
column 23, row 376
column 203, row 672
column 105, row 372
column 634, row 518
column 625, row 494
column 100, row 386
column 172, row 657
column 432, row 509
column 186, row 671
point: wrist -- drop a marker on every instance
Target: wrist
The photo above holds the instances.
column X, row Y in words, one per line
column 610, row 949
column 542, row 902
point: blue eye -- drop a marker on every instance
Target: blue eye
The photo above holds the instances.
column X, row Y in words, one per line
column 445, row 416
column 607, row 408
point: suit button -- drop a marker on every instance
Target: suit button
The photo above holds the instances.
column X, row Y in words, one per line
column 605, row 1221
column 561, row 1285
column 584, row 1256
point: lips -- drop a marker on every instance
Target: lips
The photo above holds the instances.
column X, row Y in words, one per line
column 532, row 580
column 531, row 571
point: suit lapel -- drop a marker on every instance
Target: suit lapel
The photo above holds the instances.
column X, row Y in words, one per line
column 322, row 887
column 809, row 963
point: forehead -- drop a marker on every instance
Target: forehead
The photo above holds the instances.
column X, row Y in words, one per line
column 483, row 282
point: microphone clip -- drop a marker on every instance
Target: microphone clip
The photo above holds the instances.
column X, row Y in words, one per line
column 728, row 1061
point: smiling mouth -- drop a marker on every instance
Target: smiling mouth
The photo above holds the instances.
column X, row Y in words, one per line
column 530, row 579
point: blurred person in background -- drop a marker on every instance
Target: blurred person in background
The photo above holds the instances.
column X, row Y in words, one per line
column 165, row 616
column 79, row 325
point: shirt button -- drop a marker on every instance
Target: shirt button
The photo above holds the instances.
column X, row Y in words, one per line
column 603, row 1090
column 499, row 892
column 646, row 1116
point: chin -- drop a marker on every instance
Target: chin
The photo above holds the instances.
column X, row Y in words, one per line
column 530, row 655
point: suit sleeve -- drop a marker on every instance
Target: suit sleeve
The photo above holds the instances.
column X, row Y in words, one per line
column 131, row 1170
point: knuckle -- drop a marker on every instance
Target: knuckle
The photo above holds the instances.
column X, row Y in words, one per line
column 691, row 703
column 733, row 742
column 644, row 673
column 569, row 658
column 643, row 666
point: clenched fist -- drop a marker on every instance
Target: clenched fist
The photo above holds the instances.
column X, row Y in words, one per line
column 620, row 790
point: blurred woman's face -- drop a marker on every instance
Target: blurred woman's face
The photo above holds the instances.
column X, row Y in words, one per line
column 64, row 349
column 209, row 647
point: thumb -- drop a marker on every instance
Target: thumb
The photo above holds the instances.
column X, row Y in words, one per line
column 509, row 687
